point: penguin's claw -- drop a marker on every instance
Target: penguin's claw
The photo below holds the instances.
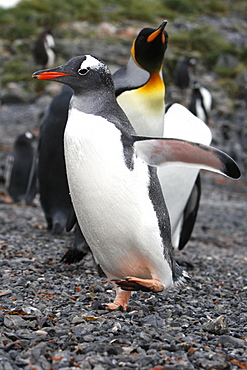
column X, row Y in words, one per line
column 135, row 284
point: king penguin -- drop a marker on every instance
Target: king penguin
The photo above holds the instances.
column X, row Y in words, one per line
column 18, row 168
column 140, row 91
column 113, row 183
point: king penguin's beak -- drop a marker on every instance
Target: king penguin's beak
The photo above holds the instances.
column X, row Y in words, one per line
column 157, row 32
column 49, row 74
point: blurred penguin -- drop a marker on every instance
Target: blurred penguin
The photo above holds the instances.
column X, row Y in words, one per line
column 184, row 72
column 51, row 172
column 44, row 49
column 19, row 165
column 201, row 102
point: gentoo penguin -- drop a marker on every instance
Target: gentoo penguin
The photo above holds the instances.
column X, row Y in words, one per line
column 200, row 102
column 184, row 72
column 140, row 91
column 44, row 49
column 18, row 167
column 51, row 173
column 113, row 184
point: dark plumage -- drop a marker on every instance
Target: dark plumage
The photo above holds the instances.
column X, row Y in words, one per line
column 53, row 185
column 184, row 72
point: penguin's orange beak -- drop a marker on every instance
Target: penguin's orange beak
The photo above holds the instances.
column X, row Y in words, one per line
column 46, row 75
column 159, row 30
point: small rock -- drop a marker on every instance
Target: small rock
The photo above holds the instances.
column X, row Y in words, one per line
column 219, row 362
column 14, row 322
column 5, row 292
column 229, row 341
column 217, row 326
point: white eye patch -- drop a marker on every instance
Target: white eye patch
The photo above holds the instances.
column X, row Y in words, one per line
column 92, row 63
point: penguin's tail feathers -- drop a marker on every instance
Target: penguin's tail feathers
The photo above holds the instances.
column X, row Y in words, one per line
column 180, row 276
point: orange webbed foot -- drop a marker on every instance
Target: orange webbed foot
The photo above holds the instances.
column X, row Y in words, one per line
column 135, row 284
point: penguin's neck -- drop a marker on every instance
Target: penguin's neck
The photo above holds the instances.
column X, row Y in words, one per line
column 102, row 103
column 155, row 85
column 145, row 106
column 92, row 103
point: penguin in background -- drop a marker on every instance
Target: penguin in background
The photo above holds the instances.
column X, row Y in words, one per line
column 18, row 168
column 44, row 49
column 184, row 72
column 113, row 182
column 51, row 173
column 201, row 102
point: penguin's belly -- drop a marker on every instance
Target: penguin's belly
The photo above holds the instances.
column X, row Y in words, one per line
column 111, row 201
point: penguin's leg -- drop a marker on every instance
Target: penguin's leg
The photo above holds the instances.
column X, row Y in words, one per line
column 121, row 300
column 134, row 283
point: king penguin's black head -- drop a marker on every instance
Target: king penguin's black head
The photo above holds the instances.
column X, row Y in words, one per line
column 81, row 73
column 149, row 47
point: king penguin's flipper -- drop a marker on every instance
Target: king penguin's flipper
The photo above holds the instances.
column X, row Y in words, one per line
column 127, row 78
column 190, row 213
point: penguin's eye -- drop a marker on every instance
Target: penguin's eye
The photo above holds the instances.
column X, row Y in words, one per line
column 83, row 71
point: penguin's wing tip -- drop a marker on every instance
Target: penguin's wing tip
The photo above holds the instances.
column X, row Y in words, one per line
column 231, row 168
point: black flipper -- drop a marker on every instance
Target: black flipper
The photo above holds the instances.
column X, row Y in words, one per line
column 190, row 213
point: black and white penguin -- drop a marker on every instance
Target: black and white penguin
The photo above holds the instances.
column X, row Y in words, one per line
column 139, row 82
column 114, row 188
column 184, row 72
column 44, row 49
column 18, row 168
column 51, row 173
column 201, row 102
